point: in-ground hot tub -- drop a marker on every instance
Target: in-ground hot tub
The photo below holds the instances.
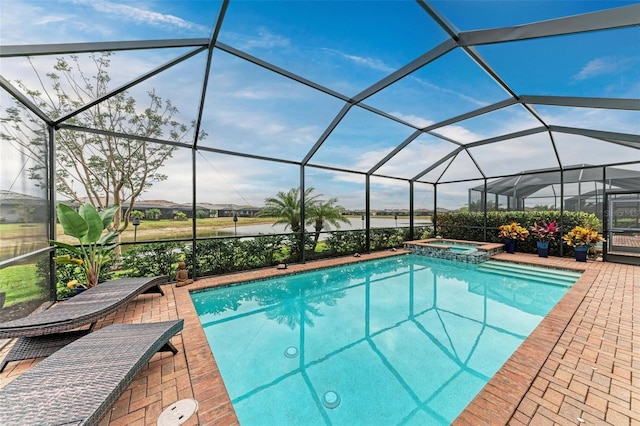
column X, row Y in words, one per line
column 459, row 250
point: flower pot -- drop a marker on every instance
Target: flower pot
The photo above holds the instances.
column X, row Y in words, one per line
column 581, row 253
column 543, row 248
column 510, row 245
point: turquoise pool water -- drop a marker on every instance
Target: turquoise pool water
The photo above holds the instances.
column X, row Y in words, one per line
column 456, row 246
column 402, row 340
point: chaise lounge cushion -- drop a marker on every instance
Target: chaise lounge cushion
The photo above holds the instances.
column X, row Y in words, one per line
column 80, row 383
column 85, row 308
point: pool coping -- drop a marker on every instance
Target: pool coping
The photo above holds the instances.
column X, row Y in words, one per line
column 496, row 403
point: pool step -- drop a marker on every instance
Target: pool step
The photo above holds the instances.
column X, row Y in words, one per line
column 553, row 276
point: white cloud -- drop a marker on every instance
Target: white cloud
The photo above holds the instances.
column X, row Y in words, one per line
column 140, row 16
column 603, row 66
column 367, row 62
column 459, row 134
column 455, row 93
column 265, row 39
column 413, row 119
column 53, row 19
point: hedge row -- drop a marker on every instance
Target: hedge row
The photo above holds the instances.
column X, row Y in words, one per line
column 470, row 226
column 225, row 255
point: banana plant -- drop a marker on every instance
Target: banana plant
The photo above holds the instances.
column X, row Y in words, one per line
column 94, row 247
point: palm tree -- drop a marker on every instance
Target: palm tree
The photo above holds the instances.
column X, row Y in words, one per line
column 323, row 215
column 286, row 207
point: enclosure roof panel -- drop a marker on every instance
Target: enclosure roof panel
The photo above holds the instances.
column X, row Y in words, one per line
column 431, row 91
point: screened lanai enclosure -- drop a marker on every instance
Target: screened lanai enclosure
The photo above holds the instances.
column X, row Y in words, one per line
column 396, row 111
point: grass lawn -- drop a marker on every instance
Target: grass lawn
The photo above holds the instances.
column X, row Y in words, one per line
column 153, row 230
column 19, row 284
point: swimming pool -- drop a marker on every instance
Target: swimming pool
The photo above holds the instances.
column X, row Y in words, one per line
column 402, row 340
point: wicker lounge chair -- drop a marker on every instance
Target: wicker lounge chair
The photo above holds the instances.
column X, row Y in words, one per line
column 79, row 384
column 43, row 333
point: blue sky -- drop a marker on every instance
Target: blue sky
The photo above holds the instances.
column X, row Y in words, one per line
column 345, row 46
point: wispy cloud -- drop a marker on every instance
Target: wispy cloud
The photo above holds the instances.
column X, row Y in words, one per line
column 459, row 134
column 416, row 120
column 455, row 93
column 373, row 63
column 138, row 15
column 603, row 66
column 265, row 39
column 53, row 19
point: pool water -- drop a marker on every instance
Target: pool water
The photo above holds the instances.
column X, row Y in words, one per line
column 455, row 244
column 402, row 340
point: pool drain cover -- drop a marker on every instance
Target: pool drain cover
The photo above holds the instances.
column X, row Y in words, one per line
column 331, row 399
column 291, row 352
column 178, row 412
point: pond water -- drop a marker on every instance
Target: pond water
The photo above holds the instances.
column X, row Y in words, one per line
column 353, row 225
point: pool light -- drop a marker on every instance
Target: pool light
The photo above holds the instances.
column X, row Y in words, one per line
column 291, row 352
column 331, row 399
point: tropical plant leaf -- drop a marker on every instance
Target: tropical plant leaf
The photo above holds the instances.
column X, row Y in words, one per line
column 65, row 260
column 109, row 237
column 72, row 249
column 107, row 215
column 94, row 223
column 72, row 223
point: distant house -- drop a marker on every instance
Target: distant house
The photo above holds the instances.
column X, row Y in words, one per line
column 168, row 209
column 228, row 210
column 22, row 208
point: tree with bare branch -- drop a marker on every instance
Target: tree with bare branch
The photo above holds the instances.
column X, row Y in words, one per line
column 99, row 164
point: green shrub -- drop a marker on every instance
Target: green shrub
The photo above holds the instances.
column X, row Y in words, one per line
column 470, row 226
column 153, row 214
column 220, row 256
column 384, row 238
column 421, row 233
column 153, row 259
column 346, row 242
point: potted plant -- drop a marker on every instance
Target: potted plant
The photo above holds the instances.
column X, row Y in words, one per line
column 581, row 239
column 94, row 248
column 544, row 234
column 512, row 233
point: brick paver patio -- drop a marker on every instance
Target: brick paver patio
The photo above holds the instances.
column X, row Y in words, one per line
column 581, row 365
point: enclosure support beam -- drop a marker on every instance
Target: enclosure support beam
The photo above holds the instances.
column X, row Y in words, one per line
column 562, row 230
column 367, row 242
column 411, row 212
column 51, row 189
column 302, row 221
column 434, row 220
column 207, row 71
column 194, row 239
column 484, row 208
column 605, row 215
column 620, row 17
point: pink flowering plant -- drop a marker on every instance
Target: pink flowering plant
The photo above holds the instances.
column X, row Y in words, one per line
column 545, row 232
